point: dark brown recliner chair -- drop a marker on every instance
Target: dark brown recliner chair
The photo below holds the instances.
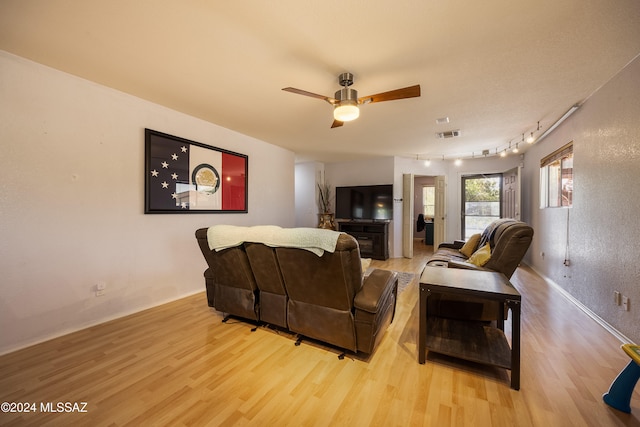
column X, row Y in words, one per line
column 230, row 283
column 329, row 300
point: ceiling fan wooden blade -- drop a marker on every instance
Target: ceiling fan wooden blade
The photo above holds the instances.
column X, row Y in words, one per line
column 407, row 92
column 311, row 94
column 336, row 124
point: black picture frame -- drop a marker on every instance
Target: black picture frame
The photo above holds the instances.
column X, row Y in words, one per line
column 183, row 176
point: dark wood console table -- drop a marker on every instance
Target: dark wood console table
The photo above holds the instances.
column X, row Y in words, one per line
column 470, row 340
column 372, row 237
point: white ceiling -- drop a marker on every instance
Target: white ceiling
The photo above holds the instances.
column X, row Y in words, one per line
column 495, row 67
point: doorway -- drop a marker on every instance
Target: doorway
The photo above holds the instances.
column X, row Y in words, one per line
column 433, row 232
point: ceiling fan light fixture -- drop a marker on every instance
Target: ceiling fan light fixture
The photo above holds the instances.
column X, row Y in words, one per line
column 346, row 108
column 346, row 102
column 346, row 111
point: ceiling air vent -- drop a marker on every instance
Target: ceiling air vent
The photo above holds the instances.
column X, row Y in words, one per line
column 448, row 134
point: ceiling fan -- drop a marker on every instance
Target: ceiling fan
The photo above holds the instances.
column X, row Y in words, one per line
column 346, row 101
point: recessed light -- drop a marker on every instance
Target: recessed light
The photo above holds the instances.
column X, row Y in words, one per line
column 442, row 120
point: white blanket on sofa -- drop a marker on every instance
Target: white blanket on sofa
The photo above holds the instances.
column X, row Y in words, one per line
column 315, row 240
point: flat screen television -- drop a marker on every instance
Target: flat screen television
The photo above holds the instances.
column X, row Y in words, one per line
column 365, row 202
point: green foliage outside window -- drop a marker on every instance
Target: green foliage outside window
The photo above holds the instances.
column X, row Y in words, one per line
column 482, row 190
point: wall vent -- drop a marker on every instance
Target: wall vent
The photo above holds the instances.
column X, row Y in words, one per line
column 448, row 134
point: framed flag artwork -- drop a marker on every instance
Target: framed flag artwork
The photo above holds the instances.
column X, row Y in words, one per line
column 183, row 176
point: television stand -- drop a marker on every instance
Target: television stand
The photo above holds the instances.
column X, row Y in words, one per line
column 372, row 237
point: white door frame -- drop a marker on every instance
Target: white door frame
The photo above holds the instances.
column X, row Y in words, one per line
column 440, row 217
column 407, row 215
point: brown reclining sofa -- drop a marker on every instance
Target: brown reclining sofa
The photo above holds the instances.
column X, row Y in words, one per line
column 508, row 239
column 323, row 297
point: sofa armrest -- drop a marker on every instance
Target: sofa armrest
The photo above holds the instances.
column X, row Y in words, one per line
column 464, row 265
column 375, row 286
column 458, row 244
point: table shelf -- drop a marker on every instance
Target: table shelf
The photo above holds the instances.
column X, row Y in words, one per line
column 474, row 341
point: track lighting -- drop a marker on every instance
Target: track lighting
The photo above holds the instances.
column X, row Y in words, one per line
column 504, row 150
column 530, row 139
column 427, row 162
column 560, row 120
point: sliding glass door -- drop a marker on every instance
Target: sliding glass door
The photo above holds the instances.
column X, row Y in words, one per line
column 481, row 202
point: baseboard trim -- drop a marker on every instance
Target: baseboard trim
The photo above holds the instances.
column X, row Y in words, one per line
column 613, row 331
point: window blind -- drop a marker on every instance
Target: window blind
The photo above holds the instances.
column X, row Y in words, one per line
column 561, row 152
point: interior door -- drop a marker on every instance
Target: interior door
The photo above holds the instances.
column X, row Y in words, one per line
column 511, row 188
column 440, row 211
column 407, row 215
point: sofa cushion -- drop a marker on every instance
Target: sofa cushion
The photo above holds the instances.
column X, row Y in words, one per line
column 471, row 245
column 481, row 256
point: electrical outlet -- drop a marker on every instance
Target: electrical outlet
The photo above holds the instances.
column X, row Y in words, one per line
column 625, row 303
column 100, row 288
column 617, row 297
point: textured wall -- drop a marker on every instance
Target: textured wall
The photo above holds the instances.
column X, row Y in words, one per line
column 603, row 226
column 71, row 203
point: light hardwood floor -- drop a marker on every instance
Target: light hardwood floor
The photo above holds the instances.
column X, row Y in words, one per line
column 177, row 364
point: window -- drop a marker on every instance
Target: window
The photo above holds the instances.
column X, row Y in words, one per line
column 429, row 201
column 556, row 178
